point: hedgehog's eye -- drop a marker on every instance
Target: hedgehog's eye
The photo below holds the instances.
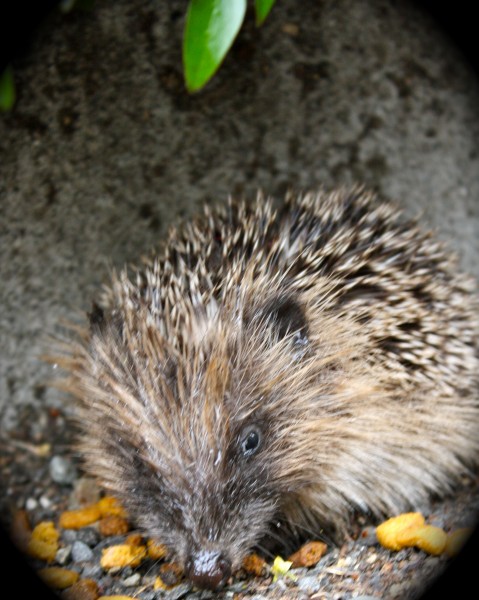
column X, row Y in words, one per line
column 250, row 440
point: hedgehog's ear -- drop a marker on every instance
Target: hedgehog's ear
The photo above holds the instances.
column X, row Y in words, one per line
column 287, row 317
column 96, row 318
column 102, row 323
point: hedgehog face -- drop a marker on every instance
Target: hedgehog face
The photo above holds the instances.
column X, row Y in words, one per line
column 190, row 439
column 204, row 429
column 210, row 505
column 214, row 474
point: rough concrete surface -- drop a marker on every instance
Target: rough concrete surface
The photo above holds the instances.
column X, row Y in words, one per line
column 104, row 148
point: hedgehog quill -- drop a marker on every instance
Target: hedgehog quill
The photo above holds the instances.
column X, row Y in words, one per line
column 279, row 365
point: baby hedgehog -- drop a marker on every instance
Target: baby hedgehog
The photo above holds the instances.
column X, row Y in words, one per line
column 274, row 369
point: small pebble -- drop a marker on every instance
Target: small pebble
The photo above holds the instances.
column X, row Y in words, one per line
column 45, row 502
column 149, row 595
column 106, row 582
column 31, row 504
column 62, row 470
column 177, row 592
column 309, row 584
column 368, row 537
column 63, row 555
column 132, row 581
column 89, row 536
column 344, row 562
column 69, row 536
column 81, row 552
column 92, row 571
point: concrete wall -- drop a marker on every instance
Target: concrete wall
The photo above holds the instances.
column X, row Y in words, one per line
column 105, row 149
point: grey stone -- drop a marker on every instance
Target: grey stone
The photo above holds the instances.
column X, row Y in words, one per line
column 179, row 591
column 132, row 580
column 368, row 536
column 90, row 536
column 69, row 536
column 81, row 552
column 31, row 504
column 149, row 595
column 63, row 555
column 62, row 470
column 45, row 502
column 92, row 571
column 309, row 584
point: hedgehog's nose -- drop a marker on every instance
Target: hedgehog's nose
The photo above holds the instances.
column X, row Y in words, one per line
column 208, row 570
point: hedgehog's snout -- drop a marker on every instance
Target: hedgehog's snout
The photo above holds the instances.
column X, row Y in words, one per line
column 208, row 569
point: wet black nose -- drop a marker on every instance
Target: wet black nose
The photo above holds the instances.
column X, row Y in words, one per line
column 208, row 570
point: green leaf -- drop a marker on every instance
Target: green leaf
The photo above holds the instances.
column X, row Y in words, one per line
column 262, row 8
column 211, row 27
column 7, row 90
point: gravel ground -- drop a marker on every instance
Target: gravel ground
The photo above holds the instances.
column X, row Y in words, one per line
column 104, row 150
column 360, row 568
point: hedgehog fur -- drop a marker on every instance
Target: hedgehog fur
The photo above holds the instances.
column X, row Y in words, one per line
column 274, row 369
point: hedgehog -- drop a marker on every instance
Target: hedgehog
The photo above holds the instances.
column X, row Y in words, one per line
column 274, row 368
